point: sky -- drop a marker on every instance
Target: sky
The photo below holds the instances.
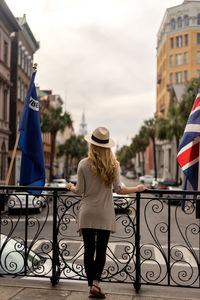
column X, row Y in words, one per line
column 100, row 57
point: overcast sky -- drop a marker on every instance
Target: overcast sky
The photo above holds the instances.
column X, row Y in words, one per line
column 100, row 56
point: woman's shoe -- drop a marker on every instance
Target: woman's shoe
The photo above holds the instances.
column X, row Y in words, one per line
column 96, row 292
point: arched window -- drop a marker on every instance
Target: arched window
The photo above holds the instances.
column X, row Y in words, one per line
column 186, row 20
column 173, row 24
column 198, row 19
column 179, row 22
column 3, row 162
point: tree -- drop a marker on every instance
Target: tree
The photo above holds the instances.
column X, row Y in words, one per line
column 124, row 155
column 149, row 131
column 188, row 98
column 52, row 123
column 171, row 127
column 139, row 144
column 74, row 148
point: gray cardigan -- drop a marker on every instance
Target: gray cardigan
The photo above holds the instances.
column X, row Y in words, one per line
column 97, row 206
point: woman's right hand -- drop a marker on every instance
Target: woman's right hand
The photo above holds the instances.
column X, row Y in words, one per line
column 141, row 188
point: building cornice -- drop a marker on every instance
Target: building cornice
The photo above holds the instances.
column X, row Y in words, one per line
column 190, row 8
column 9, row 16
column 28, row 35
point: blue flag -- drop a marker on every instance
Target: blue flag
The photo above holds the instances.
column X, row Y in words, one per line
column 32, row 165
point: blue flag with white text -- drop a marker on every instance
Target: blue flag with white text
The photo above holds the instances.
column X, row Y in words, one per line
column 32, row 171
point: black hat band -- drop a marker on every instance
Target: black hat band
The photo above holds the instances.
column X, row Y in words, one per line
column 99, row 141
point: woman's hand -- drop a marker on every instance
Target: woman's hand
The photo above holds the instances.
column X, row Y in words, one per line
column 70, row 186
column 141, row 188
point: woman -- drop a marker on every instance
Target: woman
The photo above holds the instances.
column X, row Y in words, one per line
column 98, row 174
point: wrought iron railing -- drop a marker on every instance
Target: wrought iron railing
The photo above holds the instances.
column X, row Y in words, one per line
column 157, row 241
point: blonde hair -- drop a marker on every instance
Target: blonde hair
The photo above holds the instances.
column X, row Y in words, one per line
column 103, row 163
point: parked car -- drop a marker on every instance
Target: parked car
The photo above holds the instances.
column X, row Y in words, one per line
column 156, row 182
column 121, row 204
column 73, row 179
column 13, row 257
column 146, row 179
column 17, row 200
column 49, row 194
column 174, row 198
column 60, row 181
column 130, row 175
column 165, row 184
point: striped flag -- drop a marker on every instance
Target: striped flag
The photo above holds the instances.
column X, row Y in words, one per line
column 188, row 151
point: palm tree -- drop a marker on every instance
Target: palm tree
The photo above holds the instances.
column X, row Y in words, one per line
column 52, row 123
column 149, row 131
column 139, row 144
column 188, row 98
column 74, row 148
column 171, row 127
column 124, row 155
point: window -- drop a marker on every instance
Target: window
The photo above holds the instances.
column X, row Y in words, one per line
column 169, row 160
column 172, row 43
column 22, row 59
column 186, row 39
column 25, row 62
column 18, row 120
column 171, row 61
column 198, row 73
column 179, row 41
column 18, row 89
column 173, row 24
column 186, row 20
column 179, row 22
column 0, row 42
column 179, row 59
column 25, row 91
column 22, row 91
column 3, row 162
column 198, row 56
column 171, row 77
column 29, row 67
column 5, row 102
column 5, row 52
column 198, row 19
column 186, row 75
column 198, row 38
column 178, row 77
column 186, row 57
column 19, row 55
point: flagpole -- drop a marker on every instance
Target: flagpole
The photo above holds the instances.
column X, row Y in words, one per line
column 16, row 144
column 198, row 199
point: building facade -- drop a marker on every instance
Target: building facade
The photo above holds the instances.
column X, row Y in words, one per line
column 8, row 25
column 178, row 60
column 24, row 45
column 178, row 51
column 46, row 136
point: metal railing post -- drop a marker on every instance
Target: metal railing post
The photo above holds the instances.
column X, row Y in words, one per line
column 26, row 238
column 169, row 242
column 54, row 279
column 137, row 283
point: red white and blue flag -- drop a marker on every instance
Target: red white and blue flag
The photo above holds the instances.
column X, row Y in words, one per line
column 188, row 151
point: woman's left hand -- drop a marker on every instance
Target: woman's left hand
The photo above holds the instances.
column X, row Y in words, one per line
column 70, row 186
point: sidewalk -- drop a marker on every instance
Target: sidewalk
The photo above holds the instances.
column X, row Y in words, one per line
column 29, row 289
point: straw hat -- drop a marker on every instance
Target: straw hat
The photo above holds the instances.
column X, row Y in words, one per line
column 100, row 137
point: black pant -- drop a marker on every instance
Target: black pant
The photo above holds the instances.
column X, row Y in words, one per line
column 95, row 240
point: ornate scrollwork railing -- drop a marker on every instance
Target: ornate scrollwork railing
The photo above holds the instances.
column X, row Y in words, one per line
column 156, row 241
